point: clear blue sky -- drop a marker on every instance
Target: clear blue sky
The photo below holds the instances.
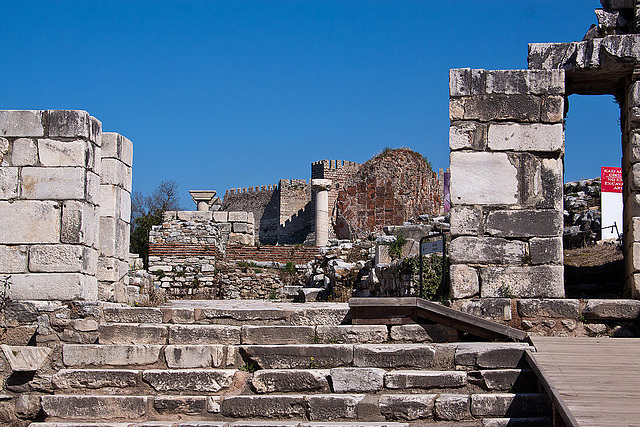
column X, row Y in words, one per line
column 222, row 94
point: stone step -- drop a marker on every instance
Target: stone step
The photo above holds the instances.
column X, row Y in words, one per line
column 486, row 422
column 390, row 356
column 265, row 381
column 452, row 356
column 244, row 313
column 315, row 407
column 160, row 334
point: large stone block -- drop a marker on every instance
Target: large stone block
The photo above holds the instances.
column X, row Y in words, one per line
column 194, row 356
column 73, row 379
column 490, row 355
column 13, row 259
column 393, row 356
column 467, row 136
column 109, row 200
column 125, row 206
column 53, row 286
column 525, row 223
column 526, row 137
column 204, row 334
column 514, row 82
column 290, row 380
column 425, row 379
column 485, row 108
column 85, row 355
column 21, row 123
column 171, row 405
column 284, row 406
column 345, row 334
column 133, row 333
column 541, row 281
column 73, row 124
column 453, row 407
column 114, row 172
column 492, row 308
column 508, row 404
column 24, row 152
column 277, row 334
column 94, row 407
column 474, row 177
column 333, row 406
column 62, row 183
column 546, row 250
column 423, row 333
column 508, row 379
column 602, row 309
column 300, row 356
column 357, row 380
column 132, row 315
column 29, row 222
column 407, row 406
column 108, row 237
column 79, row 223
column 563, row 308
column 8, row 183
column 59, row 258
column 464, row 281
column 118, row 147
column 188, row 380
column 466, row 220
column 495, row 250
column 64, row 153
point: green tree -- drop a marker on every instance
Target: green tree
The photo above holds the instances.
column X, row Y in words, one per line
column 147, row 211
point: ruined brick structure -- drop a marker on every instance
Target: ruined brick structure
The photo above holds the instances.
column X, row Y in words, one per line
column 400, row 188
column 507, row 149
column 393, row 187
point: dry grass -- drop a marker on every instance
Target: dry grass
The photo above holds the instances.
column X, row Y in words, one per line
column 592, row 256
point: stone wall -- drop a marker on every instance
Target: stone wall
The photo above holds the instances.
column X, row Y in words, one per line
column 264, row 203
column 297, row 211
column 507, row 145
column 271, row 254
column 393, row 187
column 115, row 216
column 183, row 251
column 49, row 196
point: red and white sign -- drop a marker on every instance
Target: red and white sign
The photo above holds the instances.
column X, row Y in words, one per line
column 611, row 180
column 611, row 201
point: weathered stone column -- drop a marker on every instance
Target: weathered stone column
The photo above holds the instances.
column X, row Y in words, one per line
column 203, row 198
column 321, row 187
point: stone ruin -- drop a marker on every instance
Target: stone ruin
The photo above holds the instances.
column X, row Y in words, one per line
column 507, row 147
column 65, row 200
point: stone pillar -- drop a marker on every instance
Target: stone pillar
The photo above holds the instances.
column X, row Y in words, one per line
column 321, row 187
column 115, row 217
column 203, row 198
column 631, row 190
column 49, row 197
column 507, row 145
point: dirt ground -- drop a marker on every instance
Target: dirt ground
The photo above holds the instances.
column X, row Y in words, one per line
column 592, row 256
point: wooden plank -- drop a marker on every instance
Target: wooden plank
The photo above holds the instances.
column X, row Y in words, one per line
column 558, row 403
column 385, row 311
column 597, row 378
column 466, row 322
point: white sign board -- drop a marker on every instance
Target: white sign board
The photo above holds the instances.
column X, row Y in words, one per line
column 611, row 201
column 431, row 247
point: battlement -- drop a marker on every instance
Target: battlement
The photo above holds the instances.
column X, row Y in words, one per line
column 293, row 182
column 333, row 164
column 256, row 189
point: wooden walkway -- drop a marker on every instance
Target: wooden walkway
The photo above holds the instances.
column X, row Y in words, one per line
column 596, row 379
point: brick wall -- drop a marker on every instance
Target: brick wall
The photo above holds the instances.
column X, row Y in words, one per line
column 339, row 171
column 281, row 254
column 389, row 189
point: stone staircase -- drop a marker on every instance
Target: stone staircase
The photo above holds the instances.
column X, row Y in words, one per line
column 277, row 365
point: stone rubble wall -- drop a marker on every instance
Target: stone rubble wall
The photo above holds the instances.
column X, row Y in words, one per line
column 49, row 197
column 274, row 254
column 392, row 188
column 297, row 211
column 183, row 250
column 507, row 146
column 115, row 217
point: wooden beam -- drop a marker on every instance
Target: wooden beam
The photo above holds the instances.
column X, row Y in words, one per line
column 391, row 309
column 559, row 405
